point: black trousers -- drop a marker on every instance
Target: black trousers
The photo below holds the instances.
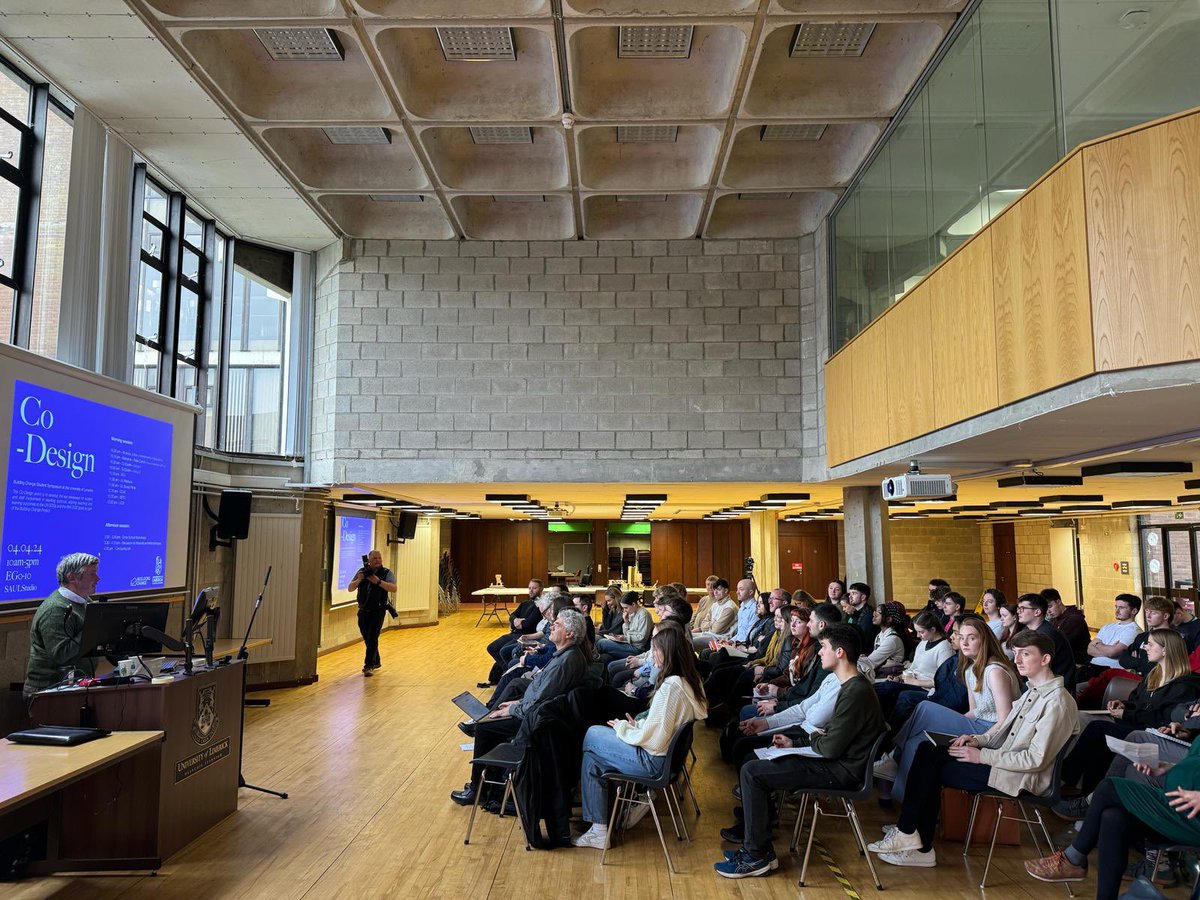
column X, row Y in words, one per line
column 761, row 778
column 1089, row 759
column 932, row 769
column 495, row 646
column 1113, row 829
column 370, row 623
column 490, row 734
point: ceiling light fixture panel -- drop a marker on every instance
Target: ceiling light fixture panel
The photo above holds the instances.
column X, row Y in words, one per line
column 501, row 134
column 357, row 134
column 654, row 41
column 831, row 38
column 1136, row 469
column 640, row 198
column 766, row 195
column 809, row 131
column 647, row 134
column 461, row 44
column 300, row 44
column 397, row 198
column 1031, row 480
column 518, row 198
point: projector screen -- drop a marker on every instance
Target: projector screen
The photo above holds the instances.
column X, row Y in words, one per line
column 90, row 465
column 353, row 537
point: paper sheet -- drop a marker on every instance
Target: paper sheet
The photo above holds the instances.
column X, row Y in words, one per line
column 776, row 752
column 1146, row 754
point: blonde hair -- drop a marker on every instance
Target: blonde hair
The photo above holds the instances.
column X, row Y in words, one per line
column 1174, row 663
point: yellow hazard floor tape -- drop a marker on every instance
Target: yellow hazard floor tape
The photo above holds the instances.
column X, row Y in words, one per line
column 833, row 867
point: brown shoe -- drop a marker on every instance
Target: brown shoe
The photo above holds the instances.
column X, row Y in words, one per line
column 1055, row 868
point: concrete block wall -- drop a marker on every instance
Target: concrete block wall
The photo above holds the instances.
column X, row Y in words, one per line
column 1104, row 541
column 933, row 548
column 560, row 351
column 1032, row 540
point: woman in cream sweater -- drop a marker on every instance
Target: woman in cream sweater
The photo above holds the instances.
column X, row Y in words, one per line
column 639, row 746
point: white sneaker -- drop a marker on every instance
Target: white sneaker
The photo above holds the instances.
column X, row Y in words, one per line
column 888, row 829
column 591, row 838
column 886, row 768
column 916, row 858
column 896, row 842
column 635, row 815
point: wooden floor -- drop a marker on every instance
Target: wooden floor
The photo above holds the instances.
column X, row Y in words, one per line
column 368, row 764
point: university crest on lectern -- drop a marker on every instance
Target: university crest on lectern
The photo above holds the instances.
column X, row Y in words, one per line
column 204, row 726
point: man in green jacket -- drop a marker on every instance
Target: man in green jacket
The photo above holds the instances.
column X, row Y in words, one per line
column 57, row 630
column 842, row 749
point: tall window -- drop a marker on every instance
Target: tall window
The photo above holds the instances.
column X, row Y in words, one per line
column 35, row 166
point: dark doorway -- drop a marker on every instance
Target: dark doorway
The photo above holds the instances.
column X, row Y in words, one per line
column 808, row 558
column 1004, row 542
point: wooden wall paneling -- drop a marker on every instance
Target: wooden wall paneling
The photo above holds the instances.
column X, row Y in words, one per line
column 869, row 361
column 839, row 408
column 1043, row 314
column 1143, row 228
column 963, row 335
column 704, row 553
column 689, row 560
column 517, row 550
column 900, row 391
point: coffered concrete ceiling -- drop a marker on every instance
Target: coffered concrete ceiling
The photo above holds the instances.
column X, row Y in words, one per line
column 662, row 145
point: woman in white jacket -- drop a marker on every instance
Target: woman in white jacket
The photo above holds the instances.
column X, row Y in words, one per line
column 639, row 746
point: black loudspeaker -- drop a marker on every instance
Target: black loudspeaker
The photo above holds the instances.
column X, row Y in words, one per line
column 407, row 529
column 233, row 515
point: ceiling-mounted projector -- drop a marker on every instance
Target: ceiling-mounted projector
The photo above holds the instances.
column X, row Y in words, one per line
column 914, row 486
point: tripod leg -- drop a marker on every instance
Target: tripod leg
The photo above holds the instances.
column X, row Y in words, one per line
column 242, row 783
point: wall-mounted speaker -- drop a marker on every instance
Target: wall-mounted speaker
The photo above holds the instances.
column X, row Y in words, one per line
column 233, row 515
column 407, row 529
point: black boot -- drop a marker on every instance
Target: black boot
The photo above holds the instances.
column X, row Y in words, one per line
column 465, row 797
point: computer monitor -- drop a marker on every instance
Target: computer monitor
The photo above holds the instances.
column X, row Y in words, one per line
column 114, row 629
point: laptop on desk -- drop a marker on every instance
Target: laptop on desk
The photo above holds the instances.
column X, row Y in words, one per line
column 471, row 706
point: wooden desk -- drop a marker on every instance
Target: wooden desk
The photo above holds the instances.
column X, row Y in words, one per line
column 98, row 801
column 197, row 779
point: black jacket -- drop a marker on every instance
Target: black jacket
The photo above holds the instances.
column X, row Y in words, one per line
column 1063, row 661
column 529, row 615
column 1144, row 709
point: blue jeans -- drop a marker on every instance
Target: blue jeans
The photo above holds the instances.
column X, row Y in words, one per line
column 616, row 649
column 928, row 716
column 603, row 752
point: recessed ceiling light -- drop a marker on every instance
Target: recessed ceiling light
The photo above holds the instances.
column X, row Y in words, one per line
column 1072, row 498
column 907, row 515
column 300, row 44
column 1038, row 513
column 1029, row 480
column 640, row 198
column 397, row 198
column 1140, row 504
column 963, row 509
column 767, row 195
column 1187, row 499
column 366, row 498
column 1016, row 504
column 647, row 134
column 1086, row 507
column 1192, row 484
column 501, row 134
column 809, row 131
column 357, row 134
column 1136, row 469
column 831, row 38
column 654, row 41
column 476, row 44
column 974, row 518
column 506, row 498
column 793, row 498
column 518, row 198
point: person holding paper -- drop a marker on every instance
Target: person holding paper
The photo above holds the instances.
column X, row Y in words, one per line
column 843, row 749
column 1149, row 706
column 1015, row 755
column 1124, row 814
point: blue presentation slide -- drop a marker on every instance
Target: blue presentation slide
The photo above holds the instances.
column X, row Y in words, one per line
column 84, row 477
column 354, row 541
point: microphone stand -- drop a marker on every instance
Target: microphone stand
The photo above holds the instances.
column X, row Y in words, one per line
column 242, row 656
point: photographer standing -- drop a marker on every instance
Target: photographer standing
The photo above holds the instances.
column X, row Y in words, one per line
column 372, row 584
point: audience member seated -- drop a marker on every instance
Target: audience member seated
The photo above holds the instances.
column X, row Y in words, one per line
column 1186, row 623
column 512, row 684
column 1184, row 725
column 639, row 746
column 514, row 650
column 1031, row 612
column 1170, row 682
column 933, row 649
column 668, row 605
column 860, row 613
column 804, row 670
column 565, row 672
column 891, row 643
column 1016, row 755
column 521, row 621
column 843, row 749
column 835, row 593
column 610, row 614
column 992, row 686
column 938, row 588
column 733, row 676
column 702, row 620
column 722, row 623
column 992, row 603
column 1070, row 621
column 635, row 632
column 803, row 599
column 1115, row 638
column 1134, row 662
column 1125, row 814
column 1009, row 616
column 954, row 605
